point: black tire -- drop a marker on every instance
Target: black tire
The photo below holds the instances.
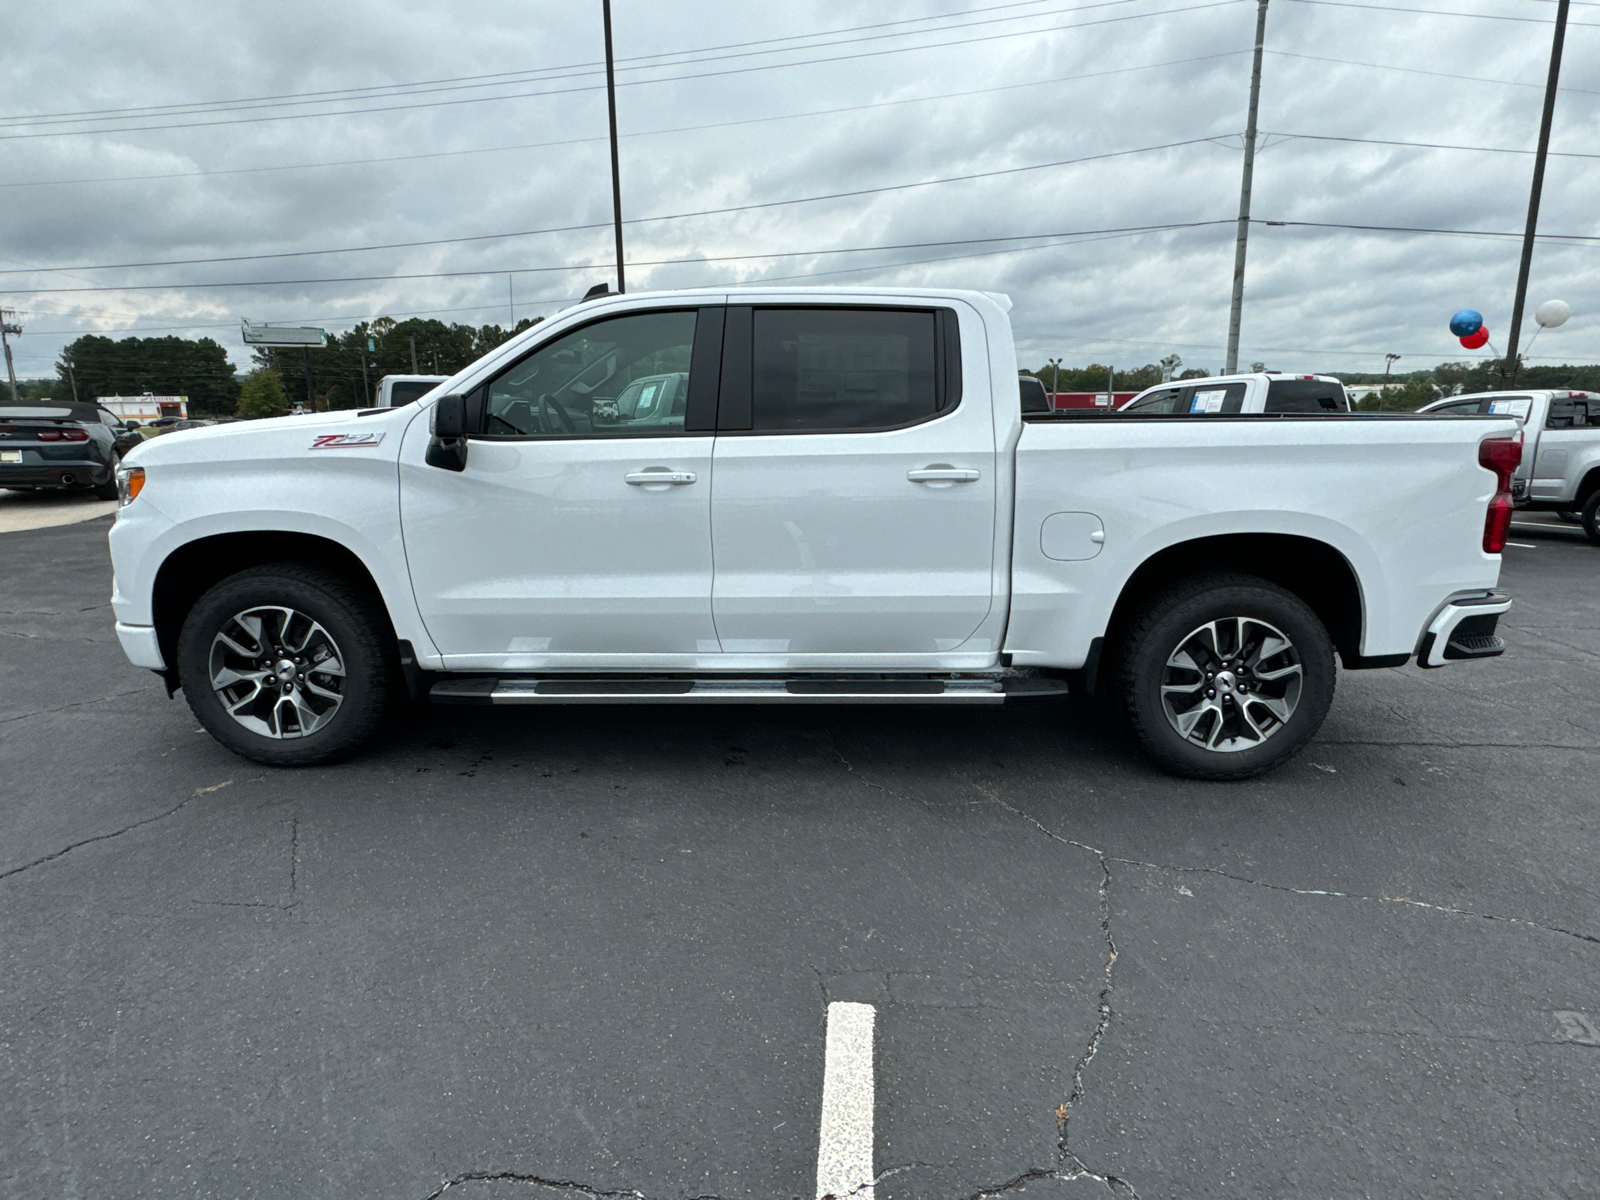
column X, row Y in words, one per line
column 1164, row 627
column 108, row 489
column 1591, row 517
column 355, row 627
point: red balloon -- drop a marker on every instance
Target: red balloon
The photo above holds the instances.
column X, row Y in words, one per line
column 1473, row 340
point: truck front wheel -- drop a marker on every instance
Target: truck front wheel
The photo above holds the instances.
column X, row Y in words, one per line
column 287, row 664
column 1225, row 676
column 1591, row 517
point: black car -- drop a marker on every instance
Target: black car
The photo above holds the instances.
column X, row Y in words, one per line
column 62, row 445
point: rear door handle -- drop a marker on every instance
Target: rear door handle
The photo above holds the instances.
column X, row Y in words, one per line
column 659, row 476
column 944, row 475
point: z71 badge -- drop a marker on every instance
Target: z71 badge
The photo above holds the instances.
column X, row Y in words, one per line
column 340, row 441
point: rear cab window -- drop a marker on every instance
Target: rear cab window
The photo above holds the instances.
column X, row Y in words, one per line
column 1305, row 396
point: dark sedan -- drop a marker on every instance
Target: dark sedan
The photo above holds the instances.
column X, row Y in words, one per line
column 62, row 445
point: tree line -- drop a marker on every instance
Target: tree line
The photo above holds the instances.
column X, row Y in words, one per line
column 343, row 374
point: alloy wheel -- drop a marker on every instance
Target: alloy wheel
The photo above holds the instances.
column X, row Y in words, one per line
column 1231, row 684
column 277, row 672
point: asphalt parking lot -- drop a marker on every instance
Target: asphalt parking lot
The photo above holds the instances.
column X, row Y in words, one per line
column 592, row 950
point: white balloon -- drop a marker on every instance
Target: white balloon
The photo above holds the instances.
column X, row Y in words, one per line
column 1552, row 313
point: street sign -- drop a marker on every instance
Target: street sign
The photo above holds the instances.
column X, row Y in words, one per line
column 283, row 335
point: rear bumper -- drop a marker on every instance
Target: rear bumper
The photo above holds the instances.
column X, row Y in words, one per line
column 54, row 472
column 140, row 644
column 1464, row 629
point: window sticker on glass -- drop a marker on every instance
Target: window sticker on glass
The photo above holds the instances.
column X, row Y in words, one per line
column 1209, row 401
column 1517, row 408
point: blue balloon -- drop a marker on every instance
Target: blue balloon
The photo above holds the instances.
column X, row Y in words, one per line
column 1466, row 322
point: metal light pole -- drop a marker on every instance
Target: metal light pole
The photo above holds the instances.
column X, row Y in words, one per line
column 1509, row 364
column 9, row 328
column 1389, row 360
column 616, row 172
column 1243, row 237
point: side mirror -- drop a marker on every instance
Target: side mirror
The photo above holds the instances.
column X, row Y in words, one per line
column 447, row 449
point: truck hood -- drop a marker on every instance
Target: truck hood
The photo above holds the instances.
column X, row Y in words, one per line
column 311, row 435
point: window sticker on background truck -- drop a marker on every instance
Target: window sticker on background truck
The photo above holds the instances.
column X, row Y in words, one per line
column 1208, row 401
column 341, row 441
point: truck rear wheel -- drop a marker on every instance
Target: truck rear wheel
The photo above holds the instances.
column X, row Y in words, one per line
column 1591, row 517
column 287, row 664
column 1225, row 676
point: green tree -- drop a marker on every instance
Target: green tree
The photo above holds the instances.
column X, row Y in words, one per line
column 261, row 395
column 167, row 366
column 337, row 368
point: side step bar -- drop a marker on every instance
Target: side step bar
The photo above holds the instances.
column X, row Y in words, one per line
column 739, row 691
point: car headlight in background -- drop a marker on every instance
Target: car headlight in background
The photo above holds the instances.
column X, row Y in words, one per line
column 130, row 481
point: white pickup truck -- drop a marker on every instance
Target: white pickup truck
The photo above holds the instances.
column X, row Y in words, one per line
column 801, row 496
column 1224, row 395
column 1560, row 469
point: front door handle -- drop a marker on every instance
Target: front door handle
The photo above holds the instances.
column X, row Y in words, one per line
column 659, row 475
column 942, row 474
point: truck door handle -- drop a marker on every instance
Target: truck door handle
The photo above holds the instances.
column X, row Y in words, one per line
column 659, row 475
column 944, row 475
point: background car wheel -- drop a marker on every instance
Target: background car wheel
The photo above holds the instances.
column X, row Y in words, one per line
column 1225, row 676
column 1591, row 518
column 108, row 489
column 288, row 664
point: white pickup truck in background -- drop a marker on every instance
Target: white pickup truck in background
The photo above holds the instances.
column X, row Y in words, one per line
column 1223, row 395
column 797, row 495
column 1560, row 470
column 396, row 391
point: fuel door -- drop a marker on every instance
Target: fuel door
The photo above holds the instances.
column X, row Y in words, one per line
column 1071, row 536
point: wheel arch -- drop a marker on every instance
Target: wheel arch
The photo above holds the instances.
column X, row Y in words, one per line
column 1308, row 568
column 193, row 568
column 1588, row 485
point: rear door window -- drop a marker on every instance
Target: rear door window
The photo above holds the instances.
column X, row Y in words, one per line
column 1034, row 396
column 1461, row 408
column 1224, row 398
column 816, row 369
column 1304, row 396
column 1565, row 414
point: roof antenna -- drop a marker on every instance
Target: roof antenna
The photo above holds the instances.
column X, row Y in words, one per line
column 594, row 293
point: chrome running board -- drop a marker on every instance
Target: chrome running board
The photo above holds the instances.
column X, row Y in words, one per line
column 553, row 690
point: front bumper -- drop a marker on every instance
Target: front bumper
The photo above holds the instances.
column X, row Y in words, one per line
column 1464, row 629
column 140, row 644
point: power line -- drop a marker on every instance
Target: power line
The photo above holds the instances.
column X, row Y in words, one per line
column 524, row 75
column 824, row 112
column 600, row 266
column 590, row 226
column 1481, row 233
column 1328, row 137
column 1350, row 62
column 962, row 42
column 1435, row 12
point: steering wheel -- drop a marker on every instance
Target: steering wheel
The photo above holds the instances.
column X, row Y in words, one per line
column 548, row 405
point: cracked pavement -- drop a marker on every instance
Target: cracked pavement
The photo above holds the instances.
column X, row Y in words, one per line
column 589, row 951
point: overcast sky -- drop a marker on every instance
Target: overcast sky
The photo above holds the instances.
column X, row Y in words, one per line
column 729, row 105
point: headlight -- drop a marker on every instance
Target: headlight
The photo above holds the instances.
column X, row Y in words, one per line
column 130, row 481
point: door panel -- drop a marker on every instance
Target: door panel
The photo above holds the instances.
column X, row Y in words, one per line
column 542, row 549
column 579, row 532
column 828, row 543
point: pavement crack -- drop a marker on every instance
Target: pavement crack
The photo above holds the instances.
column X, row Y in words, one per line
column 560, row 1185
column 75, row 704
column 115, row 833
column 1407, row 901
column 1073, row 1166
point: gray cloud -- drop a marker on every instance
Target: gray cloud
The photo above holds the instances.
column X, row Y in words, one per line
column 1316, row 298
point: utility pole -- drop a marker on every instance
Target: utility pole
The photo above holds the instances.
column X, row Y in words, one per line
column 9, row 328
column 72, row 375
column 1509, row 364
column 511, row 298
column 413, row 342
column 616, row 173
column 1111, row 392
column 311, row 396
column 1243, row 238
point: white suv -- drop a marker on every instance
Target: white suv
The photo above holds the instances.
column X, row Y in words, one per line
column 1266, row 392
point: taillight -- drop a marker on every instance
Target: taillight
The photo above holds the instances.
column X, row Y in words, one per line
column 1502, row 456
column 63, row 435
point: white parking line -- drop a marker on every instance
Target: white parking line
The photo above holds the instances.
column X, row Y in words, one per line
column 1523, row 545
column 844, row 1155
